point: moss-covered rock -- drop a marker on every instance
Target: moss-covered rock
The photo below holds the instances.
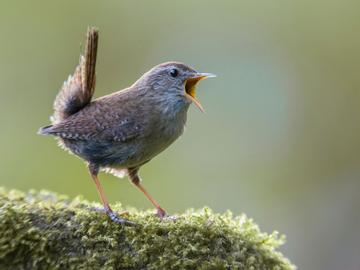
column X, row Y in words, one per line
column 48, row 231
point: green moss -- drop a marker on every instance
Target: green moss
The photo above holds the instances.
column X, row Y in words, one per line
column 42, row 230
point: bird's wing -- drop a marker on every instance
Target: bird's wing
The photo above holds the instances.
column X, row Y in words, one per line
column 121, row 130
column 93, row 124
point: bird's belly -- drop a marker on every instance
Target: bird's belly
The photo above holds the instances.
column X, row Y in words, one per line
column 143, row 149
column 132, row 153
column 101, row 153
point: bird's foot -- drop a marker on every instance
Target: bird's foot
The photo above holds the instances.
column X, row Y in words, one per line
column 170, row 218
column 114, row 217
column 161, row 213
column 104, row 210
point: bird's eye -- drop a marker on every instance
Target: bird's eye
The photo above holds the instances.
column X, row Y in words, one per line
column 174, row 72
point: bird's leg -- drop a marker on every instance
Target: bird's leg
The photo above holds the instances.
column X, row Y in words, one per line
column 135, row 179
column 94, row 170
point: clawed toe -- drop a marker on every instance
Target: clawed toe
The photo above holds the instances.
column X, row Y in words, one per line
column 104, row 210
column 120, row 220
column 170, row 218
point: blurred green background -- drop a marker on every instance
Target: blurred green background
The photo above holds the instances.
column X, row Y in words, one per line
column 280, row 139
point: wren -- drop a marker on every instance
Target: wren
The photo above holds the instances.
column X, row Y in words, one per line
column 120, row 132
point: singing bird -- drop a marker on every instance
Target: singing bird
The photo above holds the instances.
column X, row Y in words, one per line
column 120, row 132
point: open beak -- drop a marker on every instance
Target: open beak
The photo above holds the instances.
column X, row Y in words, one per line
column 190, row 87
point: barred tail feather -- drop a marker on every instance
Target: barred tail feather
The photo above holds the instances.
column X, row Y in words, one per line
column 79, row 88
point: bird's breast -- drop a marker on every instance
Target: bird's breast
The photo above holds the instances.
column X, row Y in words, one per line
column 160, row 124
column 162, row 132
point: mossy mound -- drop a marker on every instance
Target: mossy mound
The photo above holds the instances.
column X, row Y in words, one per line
column 42, row 230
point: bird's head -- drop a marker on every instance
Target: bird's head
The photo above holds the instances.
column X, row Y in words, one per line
column 174, row 79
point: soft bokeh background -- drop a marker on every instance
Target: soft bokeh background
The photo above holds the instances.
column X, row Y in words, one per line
column 280, row 139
